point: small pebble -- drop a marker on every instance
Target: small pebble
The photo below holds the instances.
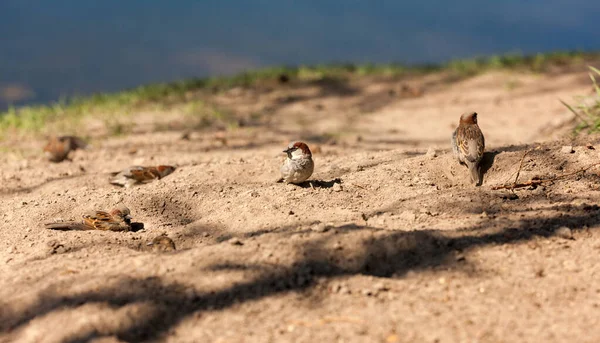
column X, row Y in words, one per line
column 567, row 149
column 319, row 227
column 380, row 286
column 564, row 232
column 236, row 241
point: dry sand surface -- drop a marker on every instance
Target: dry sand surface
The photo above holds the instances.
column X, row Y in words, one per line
column 390, row 244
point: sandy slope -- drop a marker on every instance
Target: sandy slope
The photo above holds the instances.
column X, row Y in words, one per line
column 401, row 249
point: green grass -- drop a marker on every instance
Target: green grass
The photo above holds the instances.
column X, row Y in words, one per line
column 587, row 110
column 115, row 108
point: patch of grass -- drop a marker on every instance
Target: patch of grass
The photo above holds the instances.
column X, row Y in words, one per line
column 66, row 116
column 587, row 110
column 534, row 63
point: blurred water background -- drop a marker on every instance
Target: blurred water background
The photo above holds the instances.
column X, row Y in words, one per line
column 61, row 48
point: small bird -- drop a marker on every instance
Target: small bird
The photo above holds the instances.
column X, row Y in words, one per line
column 118, row 219
column 162, row 244
column 468, row 145
column 138, row 175
column 58, row 148
column 299, row 165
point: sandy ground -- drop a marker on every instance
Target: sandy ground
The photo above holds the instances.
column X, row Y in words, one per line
column 392, row 245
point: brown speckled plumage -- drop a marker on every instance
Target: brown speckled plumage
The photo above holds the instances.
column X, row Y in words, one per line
column 162, row 244
column 137, row 175
column 58, row 148
column 468, row 145
column 299, row 165
column 118, row 219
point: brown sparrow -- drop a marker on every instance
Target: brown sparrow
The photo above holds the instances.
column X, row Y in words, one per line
column 162, row 244
column 58, row 148
column 116, row 220
column 137, row 175
column 299, row 165
column 468, row 145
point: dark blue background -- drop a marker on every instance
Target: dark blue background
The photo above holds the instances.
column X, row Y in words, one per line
column 65, row 47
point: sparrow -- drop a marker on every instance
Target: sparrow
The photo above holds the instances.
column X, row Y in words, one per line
column 118, row 219
column 137, row 175
column 299, row 165
column 162, row 244
column 58, row 148
column 468, row 145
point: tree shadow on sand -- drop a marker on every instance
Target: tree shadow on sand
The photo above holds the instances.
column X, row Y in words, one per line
column 384, row 254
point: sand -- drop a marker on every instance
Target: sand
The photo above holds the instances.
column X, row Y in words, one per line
column 389, row 244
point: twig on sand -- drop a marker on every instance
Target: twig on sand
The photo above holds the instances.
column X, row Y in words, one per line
column 537, row 182
column 360, row 186
column 521, row 166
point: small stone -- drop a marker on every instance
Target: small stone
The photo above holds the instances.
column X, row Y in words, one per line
column 567, row 149
column 184, row 136
column 319, row 227
column 564, row 232
column 337, row 187
column 431, row 153
column 460, row 257
column 236, row 241
column 344, row 290
column 380, row 287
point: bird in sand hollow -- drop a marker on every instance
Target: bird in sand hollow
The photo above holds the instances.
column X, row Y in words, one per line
column 162, row 244
column 118, row 219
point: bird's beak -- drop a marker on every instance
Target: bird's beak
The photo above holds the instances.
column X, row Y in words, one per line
column 149, row 243
column 286, row 150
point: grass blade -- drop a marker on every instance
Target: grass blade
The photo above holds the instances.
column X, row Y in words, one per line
column 575, row 113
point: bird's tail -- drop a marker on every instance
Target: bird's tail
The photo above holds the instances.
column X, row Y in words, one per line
column 78, row 143
column 121, row 180
column 65, row 226
column 475, row 173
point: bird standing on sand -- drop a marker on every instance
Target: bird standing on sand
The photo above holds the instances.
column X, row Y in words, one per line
column 468, row 145
column 118, row 219
column 299, row 165
column 58, row 148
